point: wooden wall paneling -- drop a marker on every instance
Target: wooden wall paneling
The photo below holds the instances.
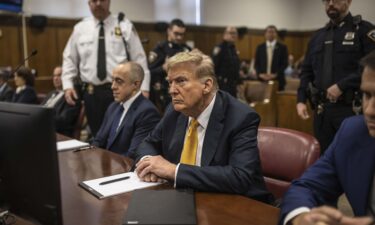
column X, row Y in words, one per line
column 154, row 38
column 10, row 46
column 45, row 42
column 255, row 40
column 62, row 37
column 205, row 41
column 287, row 116
column 44, row 84
column 243, row 46
column 295, row 45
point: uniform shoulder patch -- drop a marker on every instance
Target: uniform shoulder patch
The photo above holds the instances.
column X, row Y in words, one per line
column 216, row 50
column 152, row 56
column 371, row 35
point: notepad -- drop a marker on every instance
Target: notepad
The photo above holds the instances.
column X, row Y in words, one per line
column 116, row 184
column 167, row 207
column 71, row 144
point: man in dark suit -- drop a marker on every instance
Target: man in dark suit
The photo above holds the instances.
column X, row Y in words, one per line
column 227, row 62
column 131, row 117
column 65, row 115
column 6, row 92
column 347, row 166
column 207, row 140
column 271, row 58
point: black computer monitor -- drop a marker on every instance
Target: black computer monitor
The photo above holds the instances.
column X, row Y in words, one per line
column 29, row 171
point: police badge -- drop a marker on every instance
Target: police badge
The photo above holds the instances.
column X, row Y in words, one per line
column 152, row 56
column 216, row 51
column 118, row 31
column 349, row 36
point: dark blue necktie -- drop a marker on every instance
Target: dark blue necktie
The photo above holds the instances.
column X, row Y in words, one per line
column 115, row 123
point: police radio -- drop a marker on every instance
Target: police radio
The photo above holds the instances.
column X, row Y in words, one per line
column 118, row 32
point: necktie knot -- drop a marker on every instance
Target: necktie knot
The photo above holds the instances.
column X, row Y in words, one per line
column 193, row 126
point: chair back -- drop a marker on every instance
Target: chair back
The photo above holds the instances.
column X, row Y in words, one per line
column 261, row 96
column 285, row 154
column 79, row 123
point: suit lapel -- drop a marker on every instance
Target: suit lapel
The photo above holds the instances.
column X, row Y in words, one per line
column 177, row 143
column 362, row 167
column 214, row 130
column 128, row 117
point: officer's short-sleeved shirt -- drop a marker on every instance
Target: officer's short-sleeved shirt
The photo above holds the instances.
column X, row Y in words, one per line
column 80, row 53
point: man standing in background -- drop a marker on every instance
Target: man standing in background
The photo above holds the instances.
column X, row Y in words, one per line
column 271, row 58
column 227, row 62
column 97, row 45
column 174, row 44
column 330, row 74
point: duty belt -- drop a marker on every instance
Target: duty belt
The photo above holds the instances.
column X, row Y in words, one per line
column 91, row 88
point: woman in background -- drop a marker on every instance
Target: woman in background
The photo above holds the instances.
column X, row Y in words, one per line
column 25, row 92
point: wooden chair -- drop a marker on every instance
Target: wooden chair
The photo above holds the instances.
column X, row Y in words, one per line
column 79, row 123
column 261, row 96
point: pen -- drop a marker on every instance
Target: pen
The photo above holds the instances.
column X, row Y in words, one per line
column 114, row 180
column 83, row 148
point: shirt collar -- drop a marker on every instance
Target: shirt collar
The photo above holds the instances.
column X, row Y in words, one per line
column 130, row 101
column 20, row 88
column 2, row 87
column 271, row 43
column 106, row 21
column 204, row 117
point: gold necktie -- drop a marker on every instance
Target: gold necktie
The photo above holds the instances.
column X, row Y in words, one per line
column 269, row 58
column 189, row 152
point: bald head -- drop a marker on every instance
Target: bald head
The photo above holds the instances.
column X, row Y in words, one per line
column 126, row 81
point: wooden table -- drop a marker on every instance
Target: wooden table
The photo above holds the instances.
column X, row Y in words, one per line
column 82, row 208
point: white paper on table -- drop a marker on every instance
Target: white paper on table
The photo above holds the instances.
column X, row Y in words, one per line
column 71, row 144
column 115, row 188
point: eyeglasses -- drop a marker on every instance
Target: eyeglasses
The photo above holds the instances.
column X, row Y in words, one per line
column 326, row 2
column 178, row 34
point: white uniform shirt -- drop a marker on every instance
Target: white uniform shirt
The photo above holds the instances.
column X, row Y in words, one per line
column 81, row 51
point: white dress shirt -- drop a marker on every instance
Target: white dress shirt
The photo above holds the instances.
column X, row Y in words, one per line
column 126, row 106
column 80, row 53
column 55, row 97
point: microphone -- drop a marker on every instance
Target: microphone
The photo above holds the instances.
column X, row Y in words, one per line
column 33, row 52
column 120, row 16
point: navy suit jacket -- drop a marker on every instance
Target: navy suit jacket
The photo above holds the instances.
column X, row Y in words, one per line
column 65, row 115
column 139, row 121
column 230, row 157
column 279, row 61
column 26, row 96
column 346, row 167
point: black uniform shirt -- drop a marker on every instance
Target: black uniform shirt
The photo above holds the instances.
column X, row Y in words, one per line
column 227, row 62
column 157, row 59
column 351, row 42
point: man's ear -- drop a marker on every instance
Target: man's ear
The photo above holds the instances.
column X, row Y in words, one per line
column 208, row 85
column 137, row 83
